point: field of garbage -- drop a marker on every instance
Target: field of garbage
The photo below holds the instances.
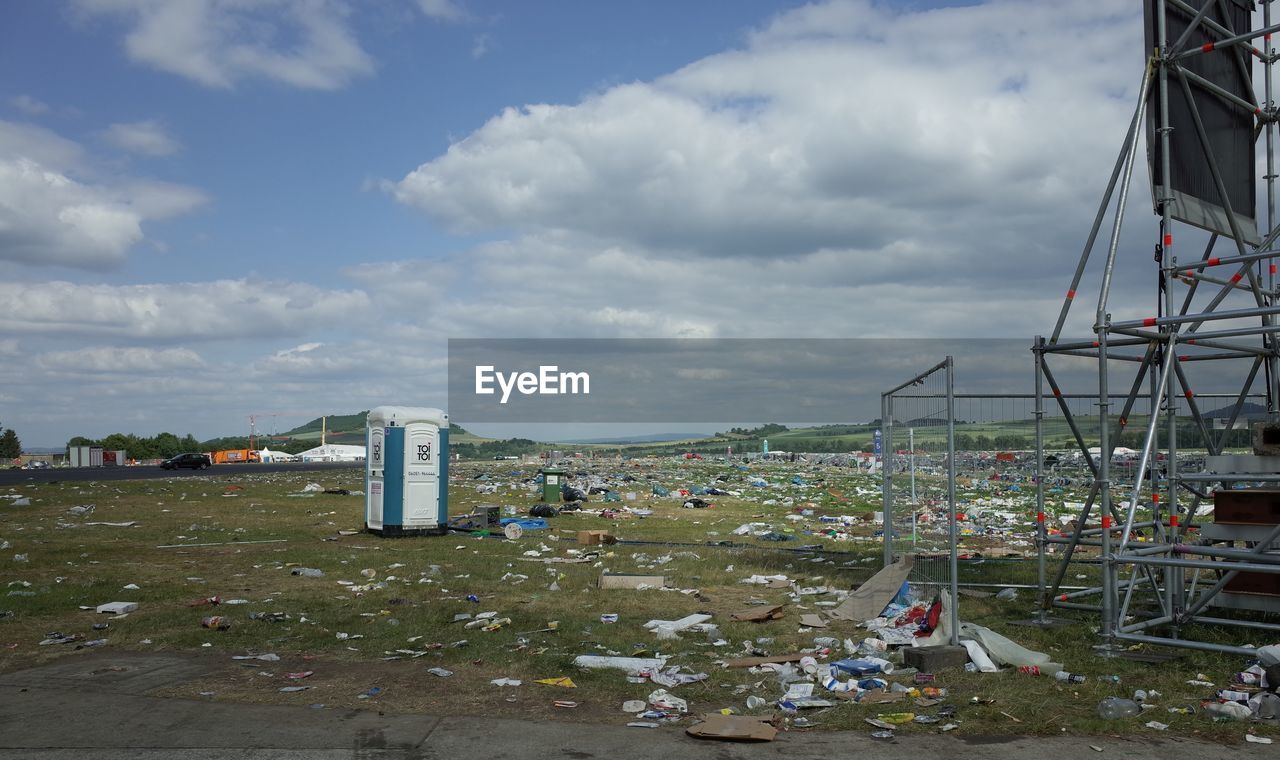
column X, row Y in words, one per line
column 674, row 589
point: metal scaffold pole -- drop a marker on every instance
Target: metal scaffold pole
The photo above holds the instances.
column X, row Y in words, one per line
column 886, row 472
column 951, row 500
column 1042, row 533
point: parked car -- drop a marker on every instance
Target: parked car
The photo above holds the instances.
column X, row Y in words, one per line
column 190, row 460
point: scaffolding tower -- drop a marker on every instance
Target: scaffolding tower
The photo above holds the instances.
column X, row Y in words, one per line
column 1165, row 568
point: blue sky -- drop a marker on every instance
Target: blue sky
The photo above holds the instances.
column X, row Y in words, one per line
column 216, row 208
column 287, row 169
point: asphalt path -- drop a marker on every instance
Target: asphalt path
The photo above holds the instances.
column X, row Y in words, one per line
column 149, row 472
column 100, row 707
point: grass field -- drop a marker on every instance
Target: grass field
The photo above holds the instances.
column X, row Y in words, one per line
column 239, row 536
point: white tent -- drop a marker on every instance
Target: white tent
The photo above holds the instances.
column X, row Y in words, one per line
column 267, row 455
column 334, row 452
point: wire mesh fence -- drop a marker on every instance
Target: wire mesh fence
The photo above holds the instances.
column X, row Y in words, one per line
column 919, row 482
column 930, row 573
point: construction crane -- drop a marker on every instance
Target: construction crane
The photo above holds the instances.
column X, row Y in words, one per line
column 253, row 426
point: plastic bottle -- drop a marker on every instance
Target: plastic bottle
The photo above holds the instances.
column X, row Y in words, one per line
column 1113, row 708
column 1066, row 677
column 1140, row 696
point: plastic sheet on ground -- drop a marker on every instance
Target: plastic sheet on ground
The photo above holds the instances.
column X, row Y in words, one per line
column 1001, row 649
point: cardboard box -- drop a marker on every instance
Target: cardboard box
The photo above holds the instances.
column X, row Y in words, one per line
column 596, row 537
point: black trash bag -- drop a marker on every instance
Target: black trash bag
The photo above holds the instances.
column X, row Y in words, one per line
column 597, row 490
column 571, row 506
column 569, row 493
column 717, row 492
column 543, row 510
column 696, row 503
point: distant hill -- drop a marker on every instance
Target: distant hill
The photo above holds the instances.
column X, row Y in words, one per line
column 336, row 423
column 651, row 438
column 345, row 428
column 1248, row 411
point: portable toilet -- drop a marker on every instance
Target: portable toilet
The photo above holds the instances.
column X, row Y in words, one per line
column 552, row 479
column 406, row 471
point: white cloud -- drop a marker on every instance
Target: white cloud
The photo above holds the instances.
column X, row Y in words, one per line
column 571, row 286
column 302, row 349
column 301, row 43
column 148, row 138
column 443, row 10
column 480, row 46
column 356, row 364
column 28, row 105
column 853, row 169
column 218, row 310
column 410, row 285
column 18, row 140
column 58, row 208
column 123, row 360
column 921, row 129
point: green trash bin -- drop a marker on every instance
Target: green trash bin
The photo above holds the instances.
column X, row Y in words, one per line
column 552, row 479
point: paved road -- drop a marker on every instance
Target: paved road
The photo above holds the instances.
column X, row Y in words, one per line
column 95, row 707
column 145, row 472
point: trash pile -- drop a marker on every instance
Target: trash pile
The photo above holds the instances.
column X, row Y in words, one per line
column 1253, row 694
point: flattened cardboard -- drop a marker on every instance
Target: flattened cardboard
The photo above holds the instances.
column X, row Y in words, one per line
column 631, row 581
column 870, row 599
column 758, row 614
column 733, row 728
column 811, row 620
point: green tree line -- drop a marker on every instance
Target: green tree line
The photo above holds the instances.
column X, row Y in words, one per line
column 489, row 449
column 165, row 445
column 10, row 446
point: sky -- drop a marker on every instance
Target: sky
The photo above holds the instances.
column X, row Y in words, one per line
column 212, row 209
